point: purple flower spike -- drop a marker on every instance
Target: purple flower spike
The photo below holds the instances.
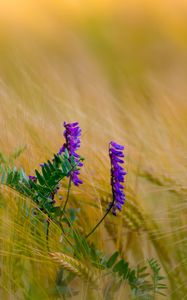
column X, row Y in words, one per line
column 72, row 135
column 117, row 176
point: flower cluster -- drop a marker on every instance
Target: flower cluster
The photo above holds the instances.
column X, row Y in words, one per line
column 72, row 135
column 33, row 178
column 117, row 176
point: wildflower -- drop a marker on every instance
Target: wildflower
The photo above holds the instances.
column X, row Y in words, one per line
column 33, row 178
column 117, row 176
column 72, row 135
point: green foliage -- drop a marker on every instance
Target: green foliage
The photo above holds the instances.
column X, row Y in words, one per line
column 112, row 259
column 145, row 281
column 86, row 261
column 158, row 287
column 144, row 284
column 41, row 190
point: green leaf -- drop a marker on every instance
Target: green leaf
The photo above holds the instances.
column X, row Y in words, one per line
column 121, row 267
column 160, row 277
column 45, row 173
column 3, row 177
column 39, row 177
column 50, row 165
column 66, row 154
column 112, row 259
column 9, row 177
column 67, row 165
column 73, row 162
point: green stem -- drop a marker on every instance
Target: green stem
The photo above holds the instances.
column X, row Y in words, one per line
column 67, row 198
column 47, row 233
column 61, row 227
column 97, row 225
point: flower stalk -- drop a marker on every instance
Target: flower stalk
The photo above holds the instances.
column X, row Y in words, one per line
column 117, row 178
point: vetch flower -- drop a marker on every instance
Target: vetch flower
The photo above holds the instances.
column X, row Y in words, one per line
column 117, row 179
column 33, row 178
column 72, row 135
column 117, row 176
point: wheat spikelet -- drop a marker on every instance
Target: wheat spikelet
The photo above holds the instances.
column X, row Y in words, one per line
column 164, row 180
column 75, row 266
column 133, row 218
column 136, row 219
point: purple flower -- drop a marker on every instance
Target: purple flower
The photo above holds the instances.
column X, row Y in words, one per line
column 72, row 135
column 117, row 176
column 33, row 178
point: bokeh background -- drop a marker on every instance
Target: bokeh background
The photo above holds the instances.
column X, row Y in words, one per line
column 119, row 68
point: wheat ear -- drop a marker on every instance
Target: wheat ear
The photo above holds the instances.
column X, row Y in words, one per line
column 73, row 265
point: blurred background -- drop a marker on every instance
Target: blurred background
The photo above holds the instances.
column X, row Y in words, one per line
column 119, row 68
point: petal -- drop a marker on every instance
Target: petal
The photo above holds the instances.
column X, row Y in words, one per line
column 117, row 146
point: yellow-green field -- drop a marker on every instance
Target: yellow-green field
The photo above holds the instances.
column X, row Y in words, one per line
column 120, row 70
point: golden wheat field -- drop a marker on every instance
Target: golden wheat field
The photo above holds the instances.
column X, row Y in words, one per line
column 119, row 68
